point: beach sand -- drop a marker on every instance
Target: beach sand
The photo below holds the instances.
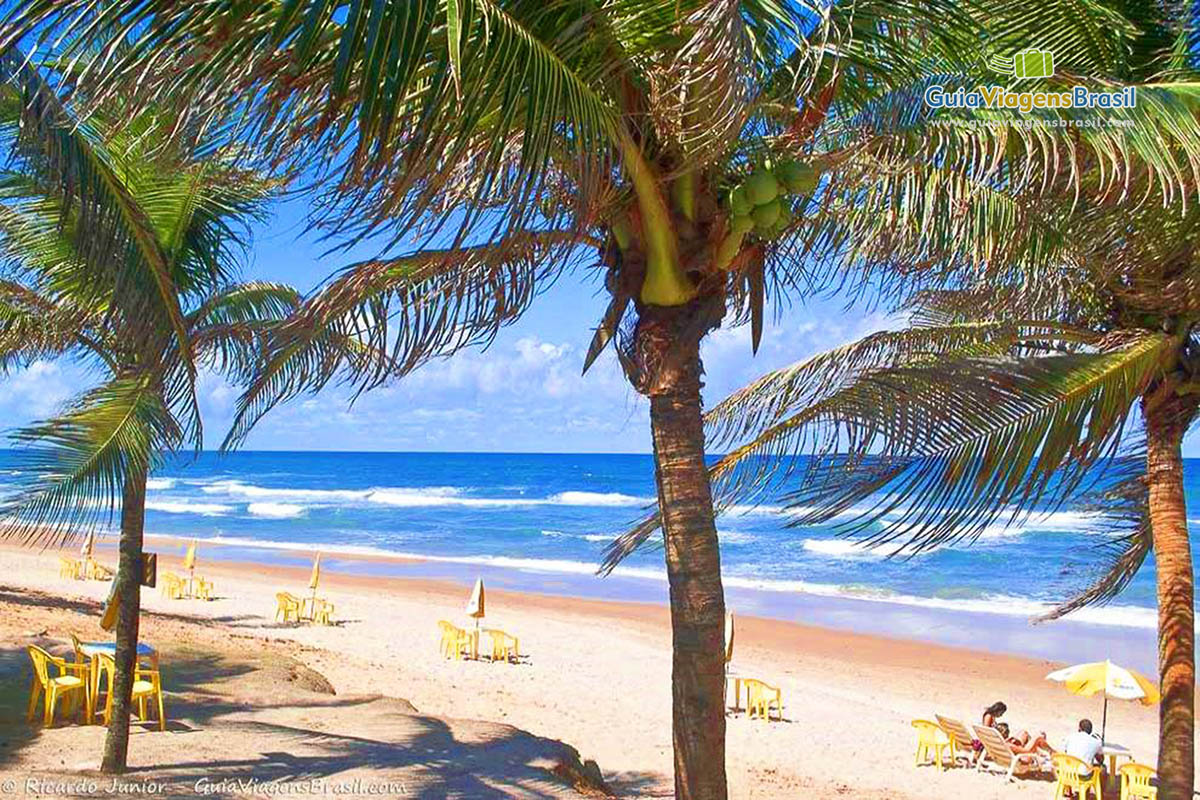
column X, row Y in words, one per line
column 597, row 678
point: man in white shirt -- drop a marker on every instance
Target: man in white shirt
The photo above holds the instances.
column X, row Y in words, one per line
column 1084, row 745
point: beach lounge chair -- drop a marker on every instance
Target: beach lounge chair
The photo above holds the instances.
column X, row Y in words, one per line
column 70, row 683
column 147, row 686
column 962, row 742
column 760, row 697
column 998, row 755
column 932, row 743
column 456, row 642
column 504, row 646
column 1137, row 782
column 94, row 570
column 1071, row 773
column 287, row 607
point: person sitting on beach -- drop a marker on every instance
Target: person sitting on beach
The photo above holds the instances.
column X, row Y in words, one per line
column 1085, row 745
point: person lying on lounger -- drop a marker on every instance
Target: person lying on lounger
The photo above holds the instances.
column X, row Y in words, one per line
column 1022, row 743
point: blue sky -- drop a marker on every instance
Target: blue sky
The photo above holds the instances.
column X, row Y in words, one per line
column 523, row 394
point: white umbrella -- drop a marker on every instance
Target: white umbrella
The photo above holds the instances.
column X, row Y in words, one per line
column 476, row 605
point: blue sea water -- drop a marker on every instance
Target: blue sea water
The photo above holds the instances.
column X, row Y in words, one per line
column 548, row 514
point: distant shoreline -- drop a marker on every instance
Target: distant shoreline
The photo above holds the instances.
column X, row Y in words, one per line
column 998, row 632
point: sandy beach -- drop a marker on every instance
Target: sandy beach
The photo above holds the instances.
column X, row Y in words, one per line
column 597, row 678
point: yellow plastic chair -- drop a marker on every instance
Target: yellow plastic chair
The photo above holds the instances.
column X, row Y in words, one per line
column 172, row 586
column 760, row 697
column 932, row 742
column 68, row 568
column 1076, row 776
column 147, row 686
column 287, row 607
column 504, row 646
column 456, row 642
column 94, row 570
column 202, row 588
column 66, row 684
column 1136, row 782
column 322, row 611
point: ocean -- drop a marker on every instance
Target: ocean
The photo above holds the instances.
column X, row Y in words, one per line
column 542, row 521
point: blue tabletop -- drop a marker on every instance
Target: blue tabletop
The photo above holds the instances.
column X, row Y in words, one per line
column 111, row 647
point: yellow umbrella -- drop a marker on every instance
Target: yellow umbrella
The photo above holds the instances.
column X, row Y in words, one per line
column 189, row 558
column 728, row 637
column 1087, row 680
column 315, row 578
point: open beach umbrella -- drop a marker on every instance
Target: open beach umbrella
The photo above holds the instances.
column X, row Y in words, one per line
column 476, row 603
column 728, row 637
column 1104, row 676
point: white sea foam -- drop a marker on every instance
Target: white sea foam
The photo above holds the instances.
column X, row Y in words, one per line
column 188, row 507
column 160, row 483
column 597, row 499
column 413, row 497
column 275, row 510
column 1112, row 615
column 736, row 537
column 845, row 548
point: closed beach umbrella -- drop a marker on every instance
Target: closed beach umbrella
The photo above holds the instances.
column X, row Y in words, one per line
column 475, row 605
column 1087, row 680
column 189, row 558
column 315, row 577
column 89, row 544
column 728, row 637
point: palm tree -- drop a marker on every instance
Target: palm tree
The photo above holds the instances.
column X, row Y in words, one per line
column 119, row 252
column 1003, row 400
column 519, row 139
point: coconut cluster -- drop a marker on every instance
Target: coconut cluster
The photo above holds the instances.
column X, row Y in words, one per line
column 761, row 203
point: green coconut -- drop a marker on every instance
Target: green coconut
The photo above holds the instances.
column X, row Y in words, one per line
column 766, row 215
column 729, row 247
column 739, row 203
column 797, row 177
column 741, row 223
column 762, row 188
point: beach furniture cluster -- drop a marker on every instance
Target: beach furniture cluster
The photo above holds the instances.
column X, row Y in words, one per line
column 178, row 587
column 761, row 697
column 460, row 643
column 948, row 743
column 84, row 687
column 317, row 610
column 83, row 569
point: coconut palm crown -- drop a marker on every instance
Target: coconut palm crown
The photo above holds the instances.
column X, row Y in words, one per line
column 118, row 251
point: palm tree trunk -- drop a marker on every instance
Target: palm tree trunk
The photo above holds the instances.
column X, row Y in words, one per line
column 1166, row 423
column 694, row 573
column 128, row 594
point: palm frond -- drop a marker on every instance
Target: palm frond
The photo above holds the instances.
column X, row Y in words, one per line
column 79, row 460
column 382, row 319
